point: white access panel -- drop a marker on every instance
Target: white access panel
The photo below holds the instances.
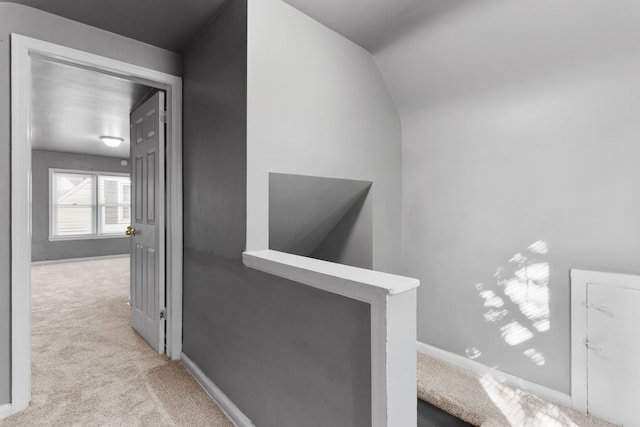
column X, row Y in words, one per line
column 613, row 353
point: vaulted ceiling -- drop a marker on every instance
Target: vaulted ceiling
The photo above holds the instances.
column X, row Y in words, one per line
column 172, row 24
column 374, row 24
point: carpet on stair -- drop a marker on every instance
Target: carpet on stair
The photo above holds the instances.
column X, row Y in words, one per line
column 482, row 400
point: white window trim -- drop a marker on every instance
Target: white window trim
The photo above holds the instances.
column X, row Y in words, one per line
column 86, row 237
column 96, row 205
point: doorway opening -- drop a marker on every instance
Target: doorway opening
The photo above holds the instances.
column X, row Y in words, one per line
column 97, row 219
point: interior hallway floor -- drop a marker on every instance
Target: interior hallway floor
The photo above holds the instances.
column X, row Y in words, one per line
column 91, row 368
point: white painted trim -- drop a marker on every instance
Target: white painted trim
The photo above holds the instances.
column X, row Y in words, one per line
column 228, row 407
column 352, row 282
column 580, row 279
column 393, row 324
column 5, row 411
column 20, row 225
column 22, row 48
column 87, row 237
column 173, row 219
column 92, row 258
column 511, row 380
column 87, row 172
column 578, row 335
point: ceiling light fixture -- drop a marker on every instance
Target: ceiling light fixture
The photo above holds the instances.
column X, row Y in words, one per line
column 111, row 141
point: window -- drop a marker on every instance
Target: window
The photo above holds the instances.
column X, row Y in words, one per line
column 87, row 205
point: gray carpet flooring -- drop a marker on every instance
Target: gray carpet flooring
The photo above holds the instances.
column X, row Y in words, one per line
column 90, row 368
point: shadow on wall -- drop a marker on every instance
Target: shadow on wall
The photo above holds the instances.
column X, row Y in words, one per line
column 323, row 218
column 518, row 303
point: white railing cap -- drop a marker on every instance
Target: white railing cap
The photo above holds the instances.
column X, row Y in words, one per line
column 354, row 282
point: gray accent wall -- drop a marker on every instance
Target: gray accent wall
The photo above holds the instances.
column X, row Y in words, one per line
column 41, row 248
column 285, row 354
column 520, row 150
column 350, row 242
column 324, row 218
column 31, row 22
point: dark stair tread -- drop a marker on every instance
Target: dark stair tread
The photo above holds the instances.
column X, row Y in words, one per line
column 432, row 416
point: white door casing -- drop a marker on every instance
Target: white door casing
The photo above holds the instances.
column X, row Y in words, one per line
column 147, row 220
column 22, row 49
column 605, row 380
column 613, row 377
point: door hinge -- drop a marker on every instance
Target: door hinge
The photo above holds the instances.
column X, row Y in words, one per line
column 163, row 116
column 163, row 314
column 601, row 308
column 590, row 345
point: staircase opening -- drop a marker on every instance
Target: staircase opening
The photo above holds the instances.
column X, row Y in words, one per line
column 324, row 218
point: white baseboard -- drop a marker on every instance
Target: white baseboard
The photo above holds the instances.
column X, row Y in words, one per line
column 5, row 411
column 228, row 407
column 93, row 258
column 511, row 380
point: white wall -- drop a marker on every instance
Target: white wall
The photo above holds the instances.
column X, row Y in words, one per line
column 521, row 124
column 317, row 105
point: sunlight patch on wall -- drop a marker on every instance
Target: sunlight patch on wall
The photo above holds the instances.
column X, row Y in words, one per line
column 526, row 283
column 535, row 356
column 472, row 353
column 518, row 303
column 514, row 333
column 494, row 316
column 491, row 299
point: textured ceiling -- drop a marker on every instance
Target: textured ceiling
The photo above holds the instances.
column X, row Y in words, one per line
column 373, row 24
column 71, row 107
column 169, row 24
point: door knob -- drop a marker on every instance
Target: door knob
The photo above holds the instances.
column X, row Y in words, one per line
column 130, row 231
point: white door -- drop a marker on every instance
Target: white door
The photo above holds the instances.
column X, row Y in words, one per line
column 613, row 336
column 147, row 222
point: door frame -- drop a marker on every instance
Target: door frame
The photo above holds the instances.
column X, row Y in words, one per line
column 22, row 49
